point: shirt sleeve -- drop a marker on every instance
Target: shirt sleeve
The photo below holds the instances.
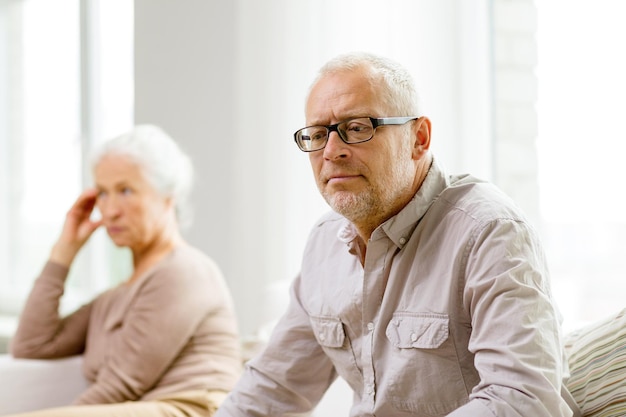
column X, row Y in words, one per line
column 290, row 375
column 42, row 333
column 153, row 330
column 515, row 326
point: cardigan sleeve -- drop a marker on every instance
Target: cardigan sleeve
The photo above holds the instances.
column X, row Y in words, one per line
column 42, row 333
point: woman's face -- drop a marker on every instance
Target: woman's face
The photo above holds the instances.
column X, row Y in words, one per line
column 133, row 212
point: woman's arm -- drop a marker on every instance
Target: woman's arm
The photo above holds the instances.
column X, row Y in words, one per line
column 42, row 333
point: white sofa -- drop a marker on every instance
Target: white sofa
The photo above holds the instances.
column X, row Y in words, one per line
column 596, row 355
column 29, row 384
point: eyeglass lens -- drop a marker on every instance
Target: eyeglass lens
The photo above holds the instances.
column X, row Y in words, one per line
column 350, row 131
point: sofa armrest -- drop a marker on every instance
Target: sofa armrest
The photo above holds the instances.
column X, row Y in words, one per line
column 32, row 384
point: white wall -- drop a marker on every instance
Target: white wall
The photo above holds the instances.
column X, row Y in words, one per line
column 185, row 58
column 228, row 80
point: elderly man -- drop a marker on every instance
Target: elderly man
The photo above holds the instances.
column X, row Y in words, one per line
column 427, row 292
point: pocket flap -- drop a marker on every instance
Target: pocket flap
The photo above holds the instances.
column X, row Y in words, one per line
column 328, row 331
column 417, row 330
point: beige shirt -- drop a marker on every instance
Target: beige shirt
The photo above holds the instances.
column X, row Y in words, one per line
column 451, row 315
column 171, row 330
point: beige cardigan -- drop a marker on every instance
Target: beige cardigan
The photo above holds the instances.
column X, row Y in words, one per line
column 173, row 329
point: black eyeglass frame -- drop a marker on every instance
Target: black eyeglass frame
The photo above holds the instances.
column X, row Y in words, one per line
column 376, row 122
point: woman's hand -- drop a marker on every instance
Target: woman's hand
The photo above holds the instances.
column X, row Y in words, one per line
column 77, row 229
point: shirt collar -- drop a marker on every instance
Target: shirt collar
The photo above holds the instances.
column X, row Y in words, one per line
column 400, row 227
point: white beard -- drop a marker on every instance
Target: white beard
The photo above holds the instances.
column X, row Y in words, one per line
column 379, row 198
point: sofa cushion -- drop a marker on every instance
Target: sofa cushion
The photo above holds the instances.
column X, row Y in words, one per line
column 597, row 360
column 33, row 384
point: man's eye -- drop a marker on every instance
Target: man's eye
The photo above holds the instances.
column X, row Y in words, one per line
column 357, row 127
column 318, row 136
column 314, row 134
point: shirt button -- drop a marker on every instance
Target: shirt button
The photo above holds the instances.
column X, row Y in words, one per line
column 402, row 240
column 369, row 389
column 370, row 326
column 322, row 337
column 413, row 337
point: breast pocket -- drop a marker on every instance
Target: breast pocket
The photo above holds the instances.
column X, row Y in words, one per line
column 328, row 331
column 424, row 374
column 331, row 336
column 427, row 331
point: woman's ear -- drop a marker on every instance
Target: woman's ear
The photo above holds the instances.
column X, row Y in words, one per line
column 421, row 134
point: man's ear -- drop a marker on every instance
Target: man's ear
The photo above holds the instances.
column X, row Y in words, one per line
column 421, row 134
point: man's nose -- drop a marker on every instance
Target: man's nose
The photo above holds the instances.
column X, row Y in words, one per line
column 335, row 147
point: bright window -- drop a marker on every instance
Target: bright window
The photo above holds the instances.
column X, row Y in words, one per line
column 582, row 143
column 65, row 83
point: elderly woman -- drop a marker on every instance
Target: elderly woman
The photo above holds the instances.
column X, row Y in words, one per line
column 165, row 341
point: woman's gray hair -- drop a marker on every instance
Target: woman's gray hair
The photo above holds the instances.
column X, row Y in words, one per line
column 398, row 87
column 161, row 160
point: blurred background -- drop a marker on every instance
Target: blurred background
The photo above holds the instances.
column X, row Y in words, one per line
column 527, row 94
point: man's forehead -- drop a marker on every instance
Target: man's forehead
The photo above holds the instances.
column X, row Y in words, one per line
column 338, row 96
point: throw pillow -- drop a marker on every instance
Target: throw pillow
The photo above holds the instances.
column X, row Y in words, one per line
column 597, row 360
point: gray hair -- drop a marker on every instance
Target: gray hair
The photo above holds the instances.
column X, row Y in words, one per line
column 398, row 87
column 161, row 160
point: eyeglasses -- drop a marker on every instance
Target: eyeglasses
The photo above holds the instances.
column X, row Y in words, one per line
column 361, row 129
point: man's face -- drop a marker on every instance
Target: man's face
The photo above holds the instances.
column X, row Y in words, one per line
column 369, row 180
